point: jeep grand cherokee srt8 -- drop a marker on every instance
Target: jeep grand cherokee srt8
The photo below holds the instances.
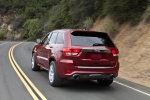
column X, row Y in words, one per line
column 76, row 54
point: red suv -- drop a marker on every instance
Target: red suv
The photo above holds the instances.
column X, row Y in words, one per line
column 76, row 54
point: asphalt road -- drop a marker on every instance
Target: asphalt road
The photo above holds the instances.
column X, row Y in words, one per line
column 11, row 87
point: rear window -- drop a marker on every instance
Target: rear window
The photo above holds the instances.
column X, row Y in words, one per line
column 91, row 39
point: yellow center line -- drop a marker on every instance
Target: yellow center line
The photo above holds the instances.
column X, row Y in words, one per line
column 25, row 76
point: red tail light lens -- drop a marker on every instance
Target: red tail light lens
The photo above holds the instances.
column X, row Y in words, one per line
column 75, row 51
column 71, row 51
column 115, row 52
column 67, row 52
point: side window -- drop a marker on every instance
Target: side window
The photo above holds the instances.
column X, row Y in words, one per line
column 60, row 38
column 53, row 38
column 46, row 38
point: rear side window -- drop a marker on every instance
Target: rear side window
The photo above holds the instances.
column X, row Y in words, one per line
column 60, row 38
column 53, row 38
column 91, row 39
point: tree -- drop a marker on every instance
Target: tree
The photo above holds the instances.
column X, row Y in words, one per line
column 32, row 29
column 124, row 10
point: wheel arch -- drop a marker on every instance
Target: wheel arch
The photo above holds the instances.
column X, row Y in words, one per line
column 33, row 52
column 53, row 59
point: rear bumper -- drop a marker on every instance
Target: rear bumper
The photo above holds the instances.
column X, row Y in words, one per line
column 67, row 69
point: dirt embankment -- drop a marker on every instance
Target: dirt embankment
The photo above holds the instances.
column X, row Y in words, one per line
column 134, row 46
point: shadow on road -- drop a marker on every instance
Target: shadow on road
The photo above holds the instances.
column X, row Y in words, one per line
column 82, row 86
column 92, row 86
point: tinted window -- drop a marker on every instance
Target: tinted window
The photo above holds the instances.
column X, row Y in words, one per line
column 60, row 38
column 45, row 39
column 91, row 39
column 53, row 38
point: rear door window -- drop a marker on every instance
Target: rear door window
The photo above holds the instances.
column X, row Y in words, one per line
column 60, row 38
column 91, row 39
column 46, row 39
column 53, row 38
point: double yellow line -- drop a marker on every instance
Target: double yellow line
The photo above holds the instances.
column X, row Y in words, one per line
column 32, row 89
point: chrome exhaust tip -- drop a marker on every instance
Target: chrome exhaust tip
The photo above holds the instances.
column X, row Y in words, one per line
column 76, row 76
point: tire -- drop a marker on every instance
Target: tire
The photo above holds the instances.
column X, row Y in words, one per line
column 54, row 78
column 104, row 82
column 34, row 65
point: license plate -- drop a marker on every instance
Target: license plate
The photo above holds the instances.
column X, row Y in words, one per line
column 95, row 56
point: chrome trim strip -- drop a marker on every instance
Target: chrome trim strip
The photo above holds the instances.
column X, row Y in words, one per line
column 94, row 67
column 66, row 61
column 39, row 57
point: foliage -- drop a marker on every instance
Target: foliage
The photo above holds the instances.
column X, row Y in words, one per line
column 146, row 14
column 125, row 10
column 98, row 7
column 32, row 29
column 88, row 23
column 111, row 27
column 2, row 34
column 33, row 17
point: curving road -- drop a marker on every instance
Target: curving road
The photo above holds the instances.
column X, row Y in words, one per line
column 11, row 87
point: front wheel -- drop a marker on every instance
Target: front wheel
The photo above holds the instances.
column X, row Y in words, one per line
column 54, row 78
column 34, row 65
column 105, row 82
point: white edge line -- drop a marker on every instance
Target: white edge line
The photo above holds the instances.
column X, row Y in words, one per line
column 133, row 88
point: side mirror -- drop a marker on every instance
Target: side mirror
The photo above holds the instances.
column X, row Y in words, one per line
column 38, row 41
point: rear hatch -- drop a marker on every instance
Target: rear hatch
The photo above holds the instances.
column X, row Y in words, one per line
column 93, row 49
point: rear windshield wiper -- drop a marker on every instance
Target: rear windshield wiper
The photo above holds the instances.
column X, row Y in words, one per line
column 98, row 44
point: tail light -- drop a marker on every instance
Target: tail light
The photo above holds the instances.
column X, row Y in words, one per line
column 115, row 52
column 71, row 51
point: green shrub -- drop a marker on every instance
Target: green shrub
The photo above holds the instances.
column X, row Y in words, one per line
column 125, row 10
column 111, row 28
column 88, row 23
column 2, row 34
column 146, row 14
column 32, row 29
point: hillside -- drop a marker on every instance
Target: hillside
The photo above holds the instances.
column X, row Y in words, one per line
column 32, row 19
column 134, row 46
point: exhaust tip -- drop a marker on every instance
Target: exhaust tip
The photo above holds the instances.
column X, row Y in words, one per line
column 112, row 76
column 76, row 76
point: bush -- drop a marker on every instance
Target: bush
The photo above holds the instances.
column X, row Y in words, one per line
column 2, row 34
column 32, row 29
column 146, row 14
column 125, row 10
column 111, row 28
column 88, row 23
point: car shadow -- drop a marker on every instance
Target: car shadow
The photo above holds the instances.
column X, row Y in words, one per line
column 80, row 85
column 75, row 85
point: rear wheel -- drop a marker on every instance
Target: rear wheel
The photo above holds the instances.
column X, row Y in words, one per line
column 34, row 65
column 54, row 78
column 104, row 82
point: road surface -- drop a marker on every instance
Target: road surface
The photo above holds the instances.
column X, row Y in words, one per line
column 13, row 88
